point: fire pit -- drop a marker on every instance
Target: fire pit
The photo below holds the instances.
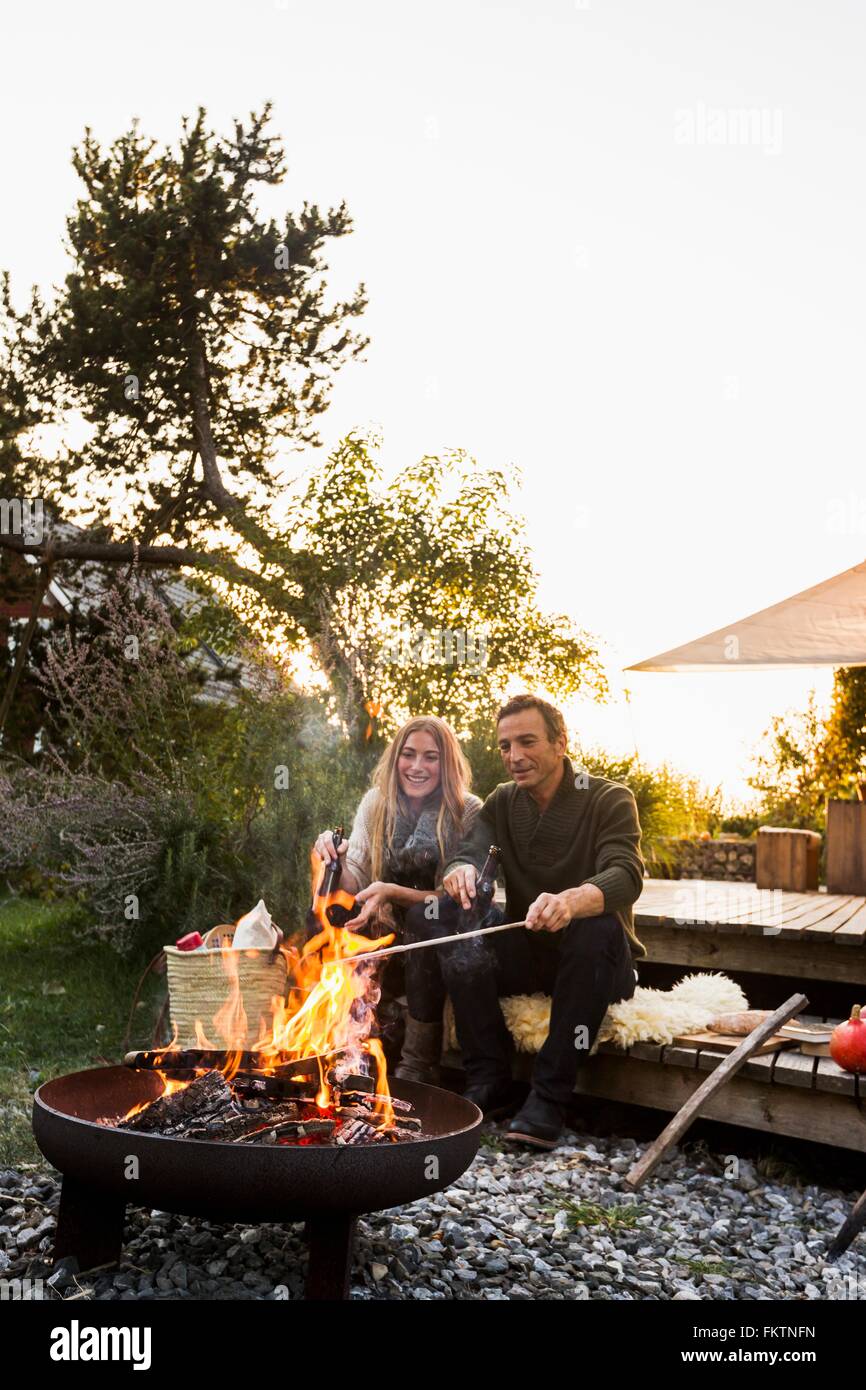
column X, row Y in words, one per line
column 304, row 1126
column 327, row 1186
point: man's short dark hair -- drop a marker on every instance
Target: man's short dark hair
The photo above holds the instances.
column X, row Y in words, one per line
column 553, row 720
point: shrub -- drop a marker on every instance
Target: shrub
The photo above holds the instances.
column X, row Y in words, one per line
column 165, row 812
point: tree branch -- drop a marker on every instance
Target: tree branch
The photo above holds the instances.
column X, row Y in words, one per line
column 127, row 552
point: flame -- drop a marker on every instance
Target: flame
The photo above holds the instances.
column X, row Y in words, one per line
column 336, row 1012
column 169, row 1087
column 329, row 1010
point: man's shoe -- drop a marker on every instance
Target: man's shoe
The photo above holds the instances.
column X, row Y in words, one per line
column 422, row 1052
column 493, row 1098
column 539, row 1122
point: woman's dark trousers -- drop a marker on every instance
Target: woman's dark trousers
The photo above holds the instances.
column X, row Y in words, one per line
column 585, row 968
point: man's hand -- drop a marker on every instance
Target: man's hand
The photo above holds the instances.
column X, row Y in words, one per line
column 549, row 912
column 460, row 884
column 374, row 900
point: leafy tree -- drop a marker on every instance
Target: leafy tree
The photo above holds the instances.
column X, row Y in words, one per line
column 426, row 596
column 789, row 770
column 843, row 754
column 193, row 336
column 806, row 758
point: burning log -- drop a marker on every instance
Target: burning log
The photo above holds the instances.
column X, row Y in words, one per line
column 358, row 1132
column 357, row 1112
column 195, row 1059
column 354, row 1098
column 353, row 1081
column 193, row 1105
column 244, row 1127
column 209, row 1108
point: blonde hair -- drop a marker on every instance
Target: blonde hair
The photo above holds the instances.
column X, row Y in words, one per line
column 455, row 779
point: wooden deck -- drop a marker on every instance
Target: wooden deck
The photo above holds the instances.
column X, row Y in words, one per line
column 709, row 924
column 782, row 1092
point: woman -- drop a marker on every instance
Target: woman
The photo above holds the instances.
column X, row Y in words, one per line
column 406, row 829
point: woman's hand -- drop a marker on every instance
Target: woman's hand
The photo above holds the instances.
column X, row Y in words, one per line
column 324, row 847
column 374, row 899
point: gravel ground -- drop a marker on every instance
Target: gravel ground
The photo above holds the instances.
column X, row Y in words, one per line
column 517, row 1225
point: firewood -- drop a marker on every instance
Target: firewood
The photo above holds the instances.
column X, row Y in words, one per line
column 357, row 1112
column 245, row 1125
column 200, row 1099
column 372, row 1098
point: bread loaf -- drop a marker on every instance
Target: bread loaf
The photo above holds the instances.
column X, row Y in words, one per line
column 739, row 1024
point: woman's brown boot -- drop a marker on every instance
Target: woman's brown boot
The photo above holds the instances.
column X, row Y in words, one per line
column 422, row 1052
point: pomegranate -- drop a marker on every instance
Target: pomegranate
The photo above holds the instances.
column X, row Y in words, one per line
column 848, row 1043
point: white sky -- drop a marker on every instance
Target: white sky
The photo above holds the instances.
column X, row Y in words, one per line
column 666, row 336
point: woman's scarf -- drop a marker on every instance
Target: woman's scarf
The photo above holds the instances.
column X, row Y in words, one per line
column 412, row 856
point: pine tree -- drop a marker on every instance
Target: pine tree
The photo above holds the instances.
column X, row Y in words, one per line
column 194, row 337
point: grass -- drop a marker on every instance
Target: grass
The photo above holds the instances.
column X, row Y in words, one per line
column 64, row 1005
column 706, row 1266
column 593, row 1214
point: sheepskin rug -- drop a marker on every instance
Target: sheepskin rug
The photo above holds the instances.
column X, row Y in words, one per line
column 651, row 1015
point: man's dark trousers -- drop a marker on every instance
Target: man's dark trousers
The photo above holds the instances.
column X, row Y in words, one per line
column 585, row 967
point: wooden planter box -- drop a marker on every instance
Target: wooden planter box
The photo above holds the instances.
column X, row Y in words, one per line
column 787, row 859
column 846, row 847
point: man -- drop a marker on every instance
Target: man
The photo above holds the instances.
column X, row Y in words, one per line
column 570, row 847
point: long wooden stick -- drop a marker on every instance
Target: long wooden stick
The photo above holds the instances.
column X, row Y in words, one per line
column 723, row 1072
column 850, row 1228
column 434, row 941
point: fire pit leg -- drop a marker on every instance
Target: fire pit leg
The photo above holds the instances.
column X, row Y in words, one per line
column 89, row 1225
column 331, row 1239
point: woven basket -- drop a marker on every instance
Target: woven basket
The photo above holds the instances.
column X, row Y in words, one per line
column 198, row 987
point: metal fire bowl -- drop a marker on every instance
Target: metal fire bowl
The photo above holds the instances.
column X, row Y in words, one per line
column 245, row 1182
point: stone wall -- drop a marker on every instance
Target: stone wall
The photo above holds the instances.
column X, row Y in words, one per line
column 726, row 857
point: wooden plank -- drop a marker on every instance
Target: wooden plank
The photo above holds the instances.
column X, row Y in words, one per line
column 829, row 1076
column 745, row 907
column 824, row 926
column 673, row 1056
column 692, row 1107
column 824, row 1117
column 766, row 955
column 646, row 1051
column 759, row 1068
column 735, row 907
column 846, row 846
column 794, row 1069
column 853, row 932
column 790, row 918
column 695, row 902
column 816, row 909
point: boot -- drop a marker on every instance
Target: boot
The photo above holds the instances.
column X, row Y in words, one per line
column 422, row 1052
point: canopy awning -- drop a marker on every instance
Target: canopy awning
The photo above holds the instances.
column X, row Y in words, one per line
column 822, row 626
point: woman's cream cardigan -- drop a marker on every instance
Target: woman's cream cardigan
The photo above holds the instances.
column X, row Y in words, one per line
column 358, row 855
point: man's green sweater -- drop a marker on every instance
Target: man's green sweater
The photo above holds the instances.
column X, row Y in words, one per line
column 589, row 833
